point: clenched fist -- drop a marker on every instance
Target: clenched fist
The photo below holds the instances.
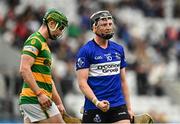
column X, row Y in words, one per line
column 104, row 105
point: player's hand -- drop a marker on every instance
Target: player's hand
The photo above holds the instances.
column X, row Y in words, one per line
column 61, row 109
column 44, row 101
column 104, row 105
column 131, row 113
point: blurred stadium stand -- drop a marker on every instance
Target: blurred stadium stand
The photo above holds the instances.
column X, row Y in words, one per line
column 148, row 29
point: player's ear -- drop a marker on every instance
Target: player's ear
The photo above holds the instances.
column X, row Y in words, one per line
column 94, row 28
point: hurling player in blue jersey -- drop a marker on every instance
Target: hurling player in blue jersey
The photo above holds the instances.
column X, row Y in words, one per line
column 100, row 66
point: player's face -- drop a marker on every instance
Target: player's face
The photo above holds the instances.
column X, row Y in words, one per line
column 59, row 31
column 56, row 30
column 105, row 26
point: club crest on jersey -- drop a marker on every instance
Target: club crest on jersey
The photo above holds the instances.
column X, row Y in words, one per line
column 108, row 56
column 81, row 62
column 33, row 42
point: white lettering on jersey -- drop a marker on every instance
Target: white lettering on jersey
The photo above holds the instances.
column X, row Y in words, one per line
column 104, row 69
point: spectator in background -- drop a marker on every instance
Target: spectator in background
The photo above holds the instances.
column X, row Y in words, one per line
column 39, row 99
column 101, row 74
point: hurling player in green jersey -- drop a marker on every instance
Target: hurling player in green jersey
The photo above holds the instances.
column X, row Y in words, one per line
column 39, row 100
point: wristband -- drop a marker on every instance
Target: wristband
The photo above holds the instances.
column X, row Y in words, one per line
column 95, row 101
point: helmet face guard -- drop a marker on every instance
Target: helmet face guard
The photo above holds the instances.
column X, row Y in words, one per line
column 101, row 15
column 60, row 18
column 98, row 16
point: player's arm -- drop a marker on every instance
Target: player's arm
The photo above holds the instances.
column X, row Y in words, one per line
column 126, row 91
column 57, row 99
column 30, row 51
column 82, row 76
column 26, row 73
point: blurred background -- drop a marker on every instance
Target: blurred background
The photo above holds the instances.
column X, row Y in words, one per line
column 149, row 30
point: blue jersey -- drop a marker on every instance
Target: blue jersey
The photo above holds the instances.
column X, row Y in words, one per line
column 104, row 71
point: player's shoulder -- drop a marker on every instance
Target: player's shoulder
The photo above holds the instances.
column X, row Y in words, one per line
column 34, row 40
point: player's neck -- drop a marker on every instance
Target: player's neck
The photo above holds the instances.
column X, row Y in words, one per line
column 101, row 42
column 43, row 31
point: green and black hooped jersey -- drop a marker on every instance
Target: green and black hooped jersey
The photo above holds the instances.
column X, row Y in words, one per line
column 36, row 47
